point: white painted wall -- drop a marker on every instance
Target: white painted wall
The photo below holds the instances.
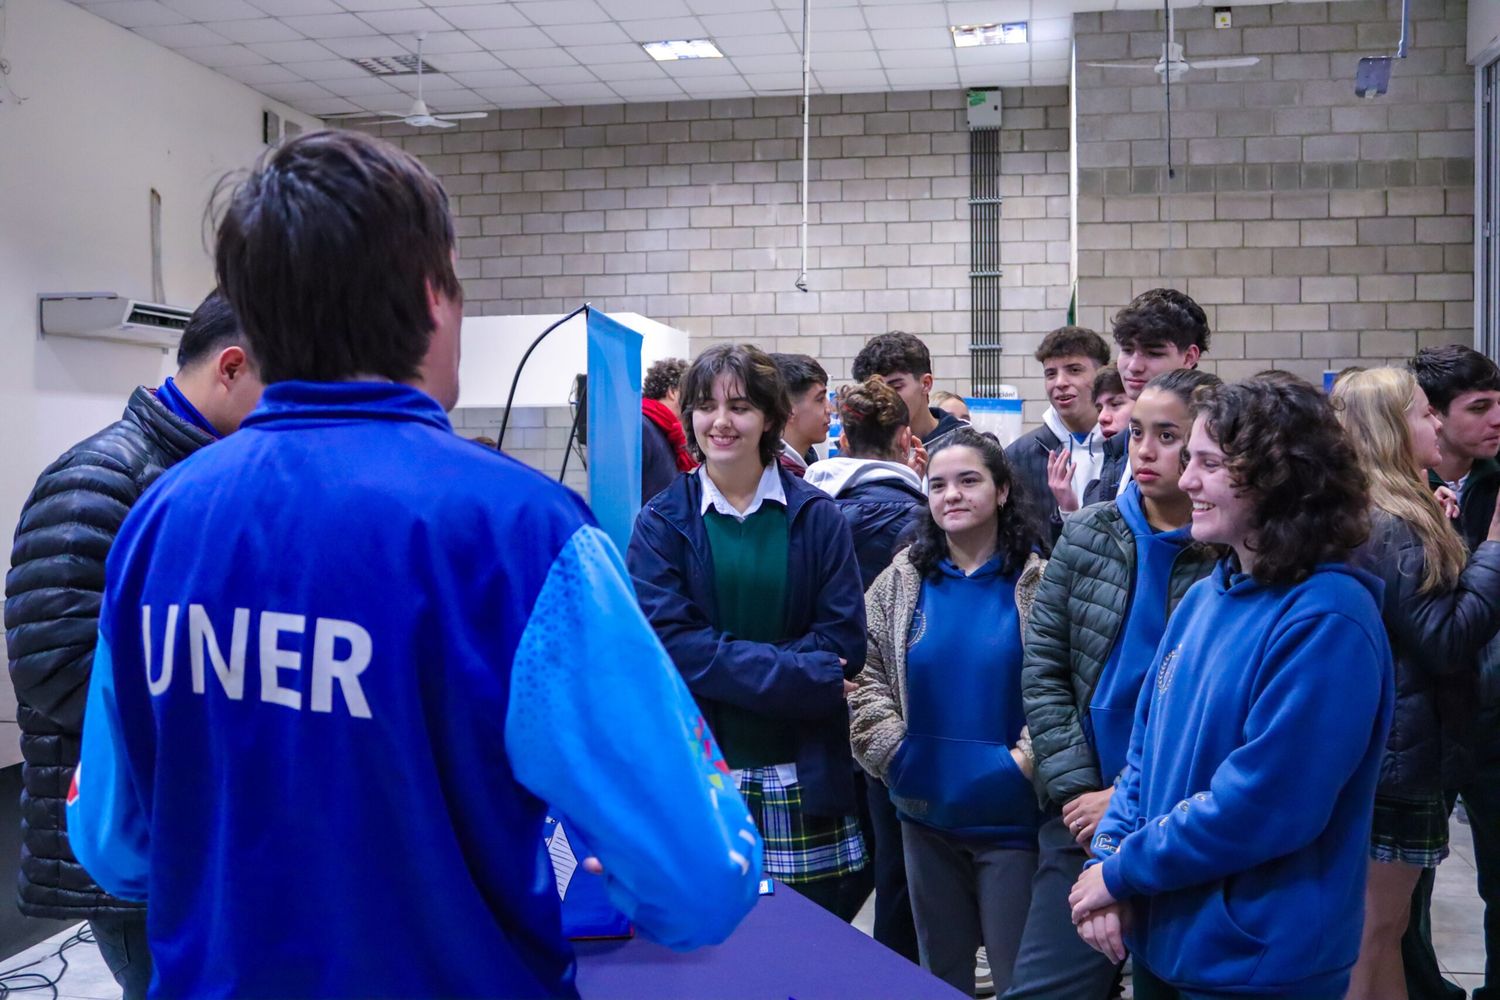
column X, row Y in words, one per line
column 108, row 116
column 1484, row 27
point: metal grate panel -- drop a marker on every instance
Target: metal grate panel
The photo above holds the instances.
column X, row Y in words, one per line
column 984, row 261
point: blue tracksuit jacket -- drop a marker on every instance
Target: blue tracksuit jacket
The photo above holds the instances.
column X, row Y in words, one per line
column 346, row 659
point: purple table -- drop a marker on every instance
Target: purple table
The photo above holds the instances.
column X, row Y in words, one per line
column 788, row 947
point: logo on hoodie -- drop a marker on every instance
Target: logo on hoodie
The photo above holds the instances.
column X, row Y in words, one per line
column 918, row 628
column 1167, row 669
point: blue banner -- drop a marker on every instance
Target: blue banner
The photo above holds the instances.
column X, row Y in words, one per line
column 614, row 425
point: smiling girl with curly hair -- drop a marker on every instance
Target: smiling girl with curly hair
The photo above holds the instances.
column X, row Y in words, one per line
column 1241, row 859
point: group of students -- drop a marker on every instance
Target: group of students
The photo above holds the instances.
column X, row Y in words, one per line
column 1188, row 673
column 1183, row 711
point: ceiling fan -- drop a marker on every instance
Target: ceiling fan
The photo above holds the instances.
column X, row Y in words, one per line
column 1172, row 66
column 419, row 116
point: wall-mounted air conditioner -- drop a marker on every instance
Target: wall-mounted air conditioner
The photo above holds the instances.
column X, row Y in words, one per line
column 107, row 316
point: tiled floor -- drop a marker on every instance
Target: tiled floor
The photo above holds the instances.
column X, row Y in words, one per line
column 1456, row 916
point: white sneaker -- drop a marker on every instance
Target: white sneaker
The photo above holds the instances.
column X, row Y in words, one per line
column 984, row 981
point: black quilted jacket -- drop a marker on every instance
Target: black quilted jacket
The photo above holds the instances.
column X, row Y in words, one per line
column 52, row 595
column 1436, row 640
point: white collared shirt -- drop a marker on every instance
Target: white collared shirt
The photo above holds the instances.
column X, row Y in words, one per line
column 769, row 488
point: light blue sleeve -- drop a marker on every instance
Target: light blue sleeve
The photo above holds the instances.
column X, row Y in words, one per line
column 107, row 823
column 601, row 727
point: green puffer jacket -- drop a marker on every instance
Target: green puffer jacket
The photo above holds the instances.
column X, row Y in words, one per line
column 1079, row 609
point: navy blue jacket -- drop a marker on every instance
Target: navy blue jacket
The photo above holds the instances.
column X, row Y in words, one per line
column 658, row 460
column 799, row 679
column 879, row 503
column 879, row 512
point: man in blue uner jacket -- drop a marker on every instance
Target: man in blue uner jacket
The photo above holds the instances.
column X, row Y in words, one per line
column 346, row 660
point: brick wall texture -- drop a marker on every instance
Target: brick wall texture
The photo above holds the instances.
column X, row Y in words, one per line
column 1317, row 229
column 688, row 212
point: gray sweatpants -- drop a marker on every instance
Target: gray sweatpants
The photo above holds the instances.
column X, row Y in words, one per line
column 965, row 894
column 1054, row 963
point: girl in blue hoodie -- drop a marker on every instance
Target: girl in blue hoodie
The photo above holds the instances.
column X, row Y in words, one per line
column 1241, row 859
column 1119, row 570
column 937, row 711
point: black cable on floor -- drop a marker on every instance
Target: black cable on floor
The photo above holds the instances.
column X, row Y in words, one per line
column 17, row 980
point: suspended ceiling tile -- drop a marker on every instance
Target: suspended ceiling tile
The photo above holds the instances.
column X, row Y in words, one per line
column 181, row 36
column 140, row 14
column 563, row 12
column 220, row 56
column 261, row 30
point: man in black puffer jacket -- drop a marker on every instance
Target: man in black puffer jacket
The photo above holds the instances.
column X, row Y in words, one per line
column 53, row 590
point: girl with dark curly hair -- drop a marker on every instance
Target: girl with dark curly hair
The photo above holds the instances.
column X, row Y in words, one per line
column 937, row 713
column 1242, row 860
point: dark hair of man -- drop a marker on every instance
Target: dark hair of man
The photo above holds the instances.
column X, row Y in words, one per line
column 1073, row 342
column 1447, row 372
column 662, row 377
column 326, row 251
column 872, row 414
column 210, row 329
column 890, row 353
column 1283, row 444
column 1162, row 316
column 1183, row 382
column 800, row 372
column 758, row 379
column 1107, row 382
column 1016, row 536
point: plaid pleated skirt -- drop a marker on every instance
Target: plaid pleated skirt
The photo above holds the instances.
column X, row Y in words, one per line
column 1410, row 831
column 799, row 847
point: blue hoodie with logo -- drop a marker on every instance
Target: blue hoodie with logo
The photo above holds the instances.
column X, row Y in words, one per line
column 1241, row 824
column 1111, row 713
column 953, row 770
column 346, row 661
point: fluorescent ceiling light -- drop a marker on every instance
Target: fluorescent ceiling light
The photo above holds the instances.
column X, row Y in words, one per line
column 688, row 48
column 965, row 35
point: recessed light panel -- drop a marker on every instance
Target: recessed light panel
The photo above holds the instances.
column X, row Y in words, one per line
column 689, row 48
column 967, row 35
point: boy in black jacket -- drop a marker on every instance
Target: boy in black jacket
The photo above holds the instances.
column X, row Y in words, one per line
column 1464, row 387
column 53, row 590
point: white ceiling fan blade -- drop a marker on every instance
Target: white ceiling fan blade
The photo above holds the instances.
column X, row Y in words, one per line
column 1225, row 63
column 1135, row 65
column 463, row 115
column 428, row 121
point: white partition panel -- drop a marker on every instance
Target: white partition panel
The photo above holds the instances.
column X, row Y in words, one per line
column 493, row 346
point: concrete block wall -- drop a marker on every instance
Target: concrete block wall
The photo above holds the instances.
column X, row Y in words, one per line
column 536, row 435
column 689, row 213
column 1316, row 228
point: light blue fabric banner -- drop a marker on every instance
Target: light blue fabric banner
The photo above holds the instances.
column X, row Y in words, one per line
column 614, row 401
